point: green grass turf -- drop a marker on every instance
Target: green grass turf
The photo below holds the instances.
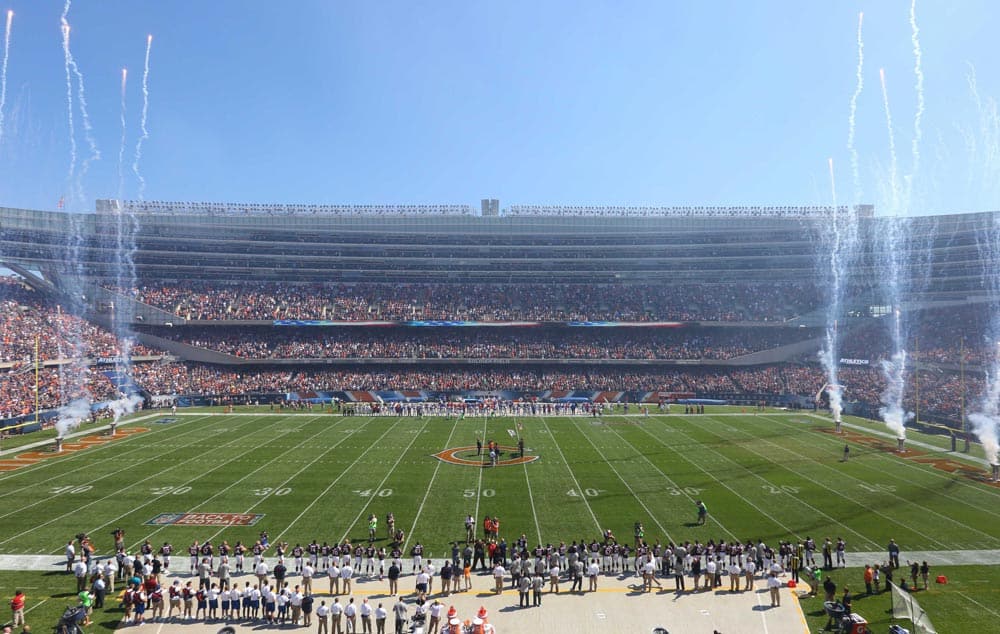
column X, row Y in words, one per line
column 315, row 476
column 967, row 603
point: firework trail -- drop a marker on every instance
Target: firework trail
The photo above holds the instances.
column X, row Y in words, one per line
column 142, row 121
column 893, row 161
column 3, row 70
column 918, row 72
column 121, row 148
column 69, row 94
column 851, row 119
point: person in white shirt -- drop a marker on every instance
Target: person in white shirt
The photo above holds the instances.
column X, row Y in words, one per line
column 554, row 579
column 380, row 615
column 351, row 616
column 261, row 571
column 421, row 584
column 346, row 573
column 307, row 578
column 435, row 613
column 295, row 601
column 431, row 569
column 710, row 569
column 333, row 572
column 322, row 612
column 336, row 610
column 366, row 616
column 734, row 577
column 749, row 571
column 70, row 555
column 593, row 570
column 498, row 575
column 774, row 585
column 80, row 571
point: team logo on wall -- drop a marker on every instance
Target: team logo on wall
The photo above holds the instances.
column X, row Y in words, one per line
column 467, row 456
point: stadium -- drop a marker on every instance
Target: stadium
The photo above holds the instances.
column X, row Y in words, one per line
column 594, row 335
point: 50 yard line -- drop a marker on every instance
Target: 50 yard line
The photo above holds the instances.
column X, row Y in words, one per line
column 479, row 486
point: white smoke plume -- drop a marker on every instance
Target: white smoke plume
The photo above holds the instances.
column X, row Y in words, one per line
column 70, row 416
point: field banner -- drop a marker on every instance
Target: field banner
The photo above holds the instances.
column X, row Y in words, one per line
column 206, row 519
column 904, row 606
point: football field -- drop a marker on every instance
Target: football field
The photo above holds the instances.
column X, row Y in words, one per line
column 317, row 476
column 772, row 476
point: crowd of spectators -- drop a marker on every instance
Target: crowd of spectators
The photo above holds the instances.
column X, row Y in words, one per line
column 17, row 388
column 26, row 315
column 488, row 343
column 483, row 302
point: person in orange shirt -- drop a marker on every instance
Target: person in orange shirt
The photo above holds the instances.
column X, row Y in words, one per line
column 17, row 607
column 869, row 577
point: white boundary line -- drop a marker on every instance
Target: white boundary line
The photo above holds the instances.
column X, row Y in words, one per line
column 387, row 474
column 576, row 482
column 637, row 497
column 302, row 514
column 889, row 493
column 967, row 597
column 153, row 499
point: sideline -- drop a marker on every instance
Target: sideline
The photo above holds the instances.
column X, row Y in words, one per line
column 80, row 432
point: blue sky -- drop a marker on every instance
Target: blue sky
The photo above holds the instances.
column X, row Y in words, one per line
column 531, row 102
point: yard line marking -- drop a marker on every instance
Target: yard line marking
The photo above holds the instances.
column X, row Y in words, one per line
column 232, row 484
column 836, row 493
column 627, row 485
column 479, row 487
column 85, row 466
column 371, row 446
column 672, row 483
column 923, row 470
column 762, row 479
column 380, row 484
column 45, row 499
column 89, row 452
column 114, row 493
column 965, row 596
column 430, row 486
column 36, row 605
column 576, row 482
column 531, row 497
column 694, row 463
column 289, row 478
column 898, row 497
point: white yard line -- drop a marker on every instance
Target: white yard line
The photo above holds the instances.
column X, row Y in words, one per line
column 812, row 508
column 868, row 507
column 923, row 469
column 116, row 493
column 628, row 486
column 741, row 497
column 47, row 499
column 479, row 485
column 672, row 483
column 89, row 465
column 420, row 509
column 88, row 453
column 576, row 482
column 910, row 502
column 35, row 606
column 387, row 474
column 531, row 498
column 968, row 598
column 289, row 478
column 319, row 497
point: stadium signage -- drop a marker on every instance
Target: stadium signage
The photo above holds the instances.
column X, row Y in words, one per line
column 855, row 362
column 206, row 519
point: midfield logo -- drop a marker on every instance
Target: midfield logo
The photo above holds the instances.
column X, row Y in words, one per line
column 467, row 456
